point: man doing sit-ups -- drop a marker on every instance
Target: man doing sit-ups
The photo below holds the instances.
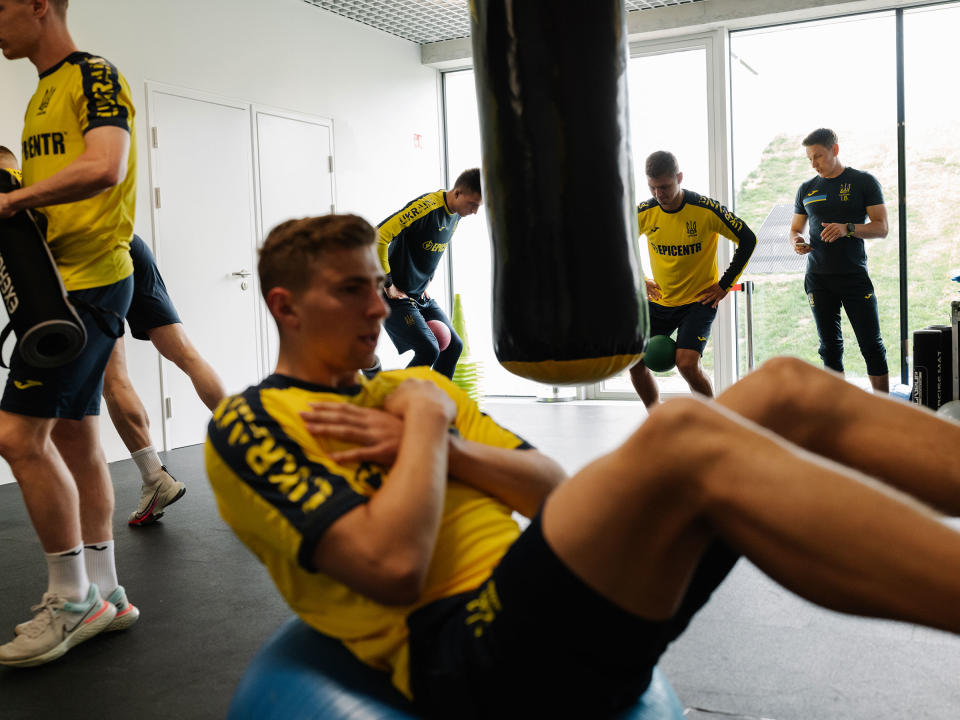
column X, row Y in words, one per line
column 382, row 507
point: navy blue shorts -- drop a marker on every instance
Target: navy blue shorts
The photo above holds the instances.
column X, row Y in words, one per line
column 534, row 641
column 151, row 306
column 407, row 327
column 72, row 390
column 407, row 322
column 693, row 322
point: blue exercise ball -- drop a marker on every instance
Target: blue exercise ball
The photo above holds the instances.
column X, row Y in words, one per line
column 300, row 674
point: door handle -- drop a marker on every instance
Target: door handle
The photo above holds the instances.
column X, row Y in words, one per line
column 242, row 273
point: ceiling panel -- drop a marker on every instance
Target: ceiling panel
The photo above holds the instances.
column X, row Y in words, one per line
column 426, row 21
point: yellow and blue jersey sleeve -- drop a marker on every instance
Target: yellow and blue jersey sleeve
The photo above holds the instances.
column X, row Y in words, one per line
column 102, row 98
column 728, row 225
column 411, row 241
column 398, row 223
column 292, row 495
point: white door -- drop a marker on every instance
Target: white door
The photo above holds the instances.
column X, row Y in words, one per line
column 204, row 225
column 295, row 172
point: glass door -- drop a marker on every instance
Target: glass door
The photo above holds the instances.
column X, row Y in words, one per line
column 470, row 253
column 932, row 163
column 672, row 107
column 787, row 81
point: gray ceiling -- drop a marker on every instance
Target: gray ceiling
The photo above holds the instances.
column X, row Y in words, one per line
column 427, row 21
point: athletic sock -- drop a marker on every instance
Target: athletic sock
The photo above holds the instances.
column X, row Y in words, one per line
column 101, row 566
column 67, row 573
column 149, row 463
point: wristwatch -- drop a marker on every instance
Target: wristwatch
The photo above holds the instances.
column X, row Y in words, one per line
column 851, row 228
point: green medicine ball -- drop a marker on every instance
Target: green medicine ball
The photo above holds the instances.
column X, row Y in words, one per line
column 661, row 354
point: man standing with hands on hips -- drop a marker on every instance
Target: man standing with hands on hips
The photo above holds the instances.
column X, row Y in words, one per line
column 837, row 201
column 683, row 230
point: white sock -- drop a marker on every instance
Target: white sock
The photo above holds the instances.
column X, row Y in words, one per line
column 149, row 463
column 67, row 574
column 101, row 566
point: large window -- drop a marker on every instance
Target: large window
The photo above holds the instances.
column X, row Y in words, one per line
column 786, row 82
column 670, row 92
column 470, row 252
column 931, row 54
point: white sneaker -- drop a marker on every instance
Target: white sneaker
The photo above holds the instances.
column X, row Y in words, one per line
column 154, row 498
column 127, row 612
column 56, row 627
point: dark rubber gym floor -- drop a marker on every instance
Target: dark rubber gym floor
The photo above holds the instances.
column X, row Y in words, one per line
column 755, row 651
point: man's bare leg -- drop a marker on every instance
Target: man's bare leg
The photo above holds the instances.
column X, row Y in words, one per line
column 48, row 489
column 634, row 524
column 159, row 488
column 79, row 444
column 175, row 346
column 124, row 405
column 53, row 503
column 690, row 369
column 880, row 383
column 900, row 443
column 645, row 384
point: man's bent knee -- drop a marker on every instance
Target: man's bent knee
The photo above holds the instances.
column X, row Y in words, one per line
column 22, row 439
column 172, row 342
column 456, row 345
column 876, row 359
column 793, row 384
column 832, row 356
column 425, row 353
column 681, row 436
column 688, row 362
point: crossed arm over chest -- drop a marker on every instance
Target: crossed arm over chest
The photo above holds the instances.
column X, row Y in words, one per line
column 383, row 548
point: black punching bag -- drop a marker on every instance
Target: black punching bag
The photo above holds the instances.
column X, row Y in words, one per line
column 569, row 302
column 49, row 333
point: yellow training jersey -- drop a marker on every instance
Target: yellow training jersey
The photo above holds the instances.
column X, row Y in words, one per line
column 278, row 489
column 90, row 238
column 683, row 246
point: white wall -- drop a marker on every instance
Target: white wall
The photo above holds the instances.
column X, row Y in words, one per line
column 283, row 53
